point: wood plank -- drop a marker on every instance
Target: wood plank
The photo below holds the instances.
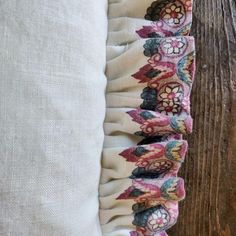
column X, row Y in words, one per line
column 210, row 167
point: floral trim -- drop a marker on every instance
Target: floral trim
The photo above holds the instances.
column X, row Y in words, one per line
column 151, row 191
column 170, row 99
column 169, row 75
column 164, row 116
column 156, row 160
column 168, row 18
column 172, row 47
column 155, row 220
column 173, row 15
column 154, row 124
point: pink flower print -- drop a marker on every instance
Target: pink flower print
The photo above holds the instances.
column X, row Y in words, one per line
column 173, row 45
column 158, row 220
column 170, row 100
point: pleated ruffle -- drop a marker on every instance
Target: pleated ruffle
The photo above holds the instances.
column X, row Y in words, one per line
column 150, row 72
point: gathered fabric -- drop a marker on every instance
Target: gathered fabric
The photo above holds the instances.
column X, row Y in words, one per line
column 150, row 72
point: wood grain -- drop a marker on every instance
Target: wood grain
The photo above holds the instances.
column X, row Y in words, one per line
column 210, row 167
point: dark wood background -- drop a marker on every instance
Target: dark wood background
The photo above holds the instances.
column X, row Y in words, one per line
column 210, row 167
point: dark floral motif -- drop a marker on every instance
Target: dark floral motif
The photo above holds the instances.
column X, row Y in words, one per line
column 170, row 99
column 149, row 96
column 151, row 47
column 155, row 219
column 174, row 14
column 154, row 11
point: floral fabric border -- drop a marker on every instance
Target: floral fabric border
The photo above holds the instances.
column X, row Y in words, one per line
column 168, row 76
column 148, row 106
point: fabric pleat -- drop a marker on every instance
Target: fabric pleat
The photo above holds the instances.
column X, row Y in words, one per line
column 150, row 72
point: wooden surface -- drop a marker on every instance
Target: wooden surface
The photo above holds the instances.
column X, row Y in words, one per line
column 210, row 167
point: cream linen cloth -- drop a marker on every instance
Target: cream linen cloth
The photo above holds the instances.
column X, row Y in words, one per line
column 52, row 107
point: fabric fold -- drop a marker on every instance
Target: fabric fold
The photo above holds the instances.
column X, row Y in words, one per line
column 155, row 74
column 162, row 18
column 150, row 72
column 155, row 160
column 150, row 222
column 145, row 123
